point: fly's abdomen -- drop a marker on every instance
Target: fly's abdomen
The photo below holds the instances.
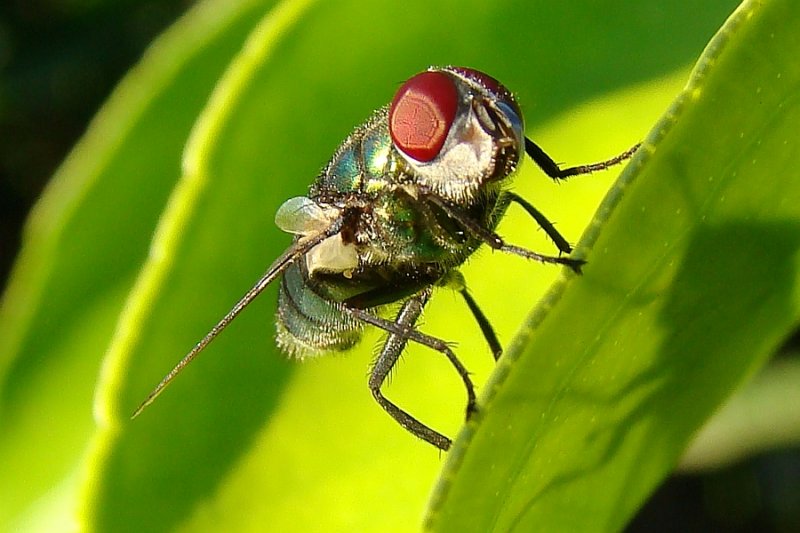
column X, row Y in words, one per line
column 309, row 324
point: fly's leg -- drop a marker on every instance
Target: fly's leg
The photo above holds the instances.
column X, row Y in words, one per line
column 552, row 169
column 495, row 241
column 486, row 328
column 455, row 280
column 561, row 243
column 400, row 332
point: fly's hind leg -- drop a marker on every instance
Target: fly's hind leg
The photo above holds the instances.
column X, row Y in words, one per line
column 400, row 332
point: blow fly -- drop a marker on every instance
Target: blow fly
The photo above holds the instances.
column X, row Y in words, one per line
column 404, row 201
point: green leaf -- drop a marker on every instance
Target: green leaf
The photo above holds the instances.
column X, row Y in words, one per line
column 244, row 438
column 691, row 285
column 83, row 246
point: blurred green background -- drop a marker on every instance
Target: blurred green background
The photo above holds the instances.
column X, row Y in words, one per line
column 60, row 60
column 58, row 63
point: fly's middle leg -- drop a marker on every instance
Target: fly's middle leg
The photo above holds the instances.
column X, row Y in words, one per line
column 401, row 330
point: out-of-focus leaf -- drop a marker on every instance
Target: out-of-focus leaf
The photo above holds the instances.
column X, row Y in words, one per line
column 83, row 246
column 761, row 417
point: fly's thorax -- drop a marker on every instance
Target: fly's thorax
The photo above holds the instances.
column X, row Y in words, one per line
column 364, row 162
column 401, row 227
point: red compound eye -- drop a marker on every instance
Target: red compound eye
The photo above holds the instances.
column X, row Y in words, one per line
column 421, row 114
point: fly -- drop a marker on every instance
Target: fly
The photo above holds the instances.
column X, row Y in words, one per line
column 405, row 200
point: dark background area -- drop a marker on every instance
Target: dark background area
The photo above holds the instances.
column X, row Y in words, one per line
column 59, row 60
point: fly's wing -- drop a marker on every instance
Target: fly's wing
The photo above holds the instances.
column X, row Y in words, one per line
column 298, row 249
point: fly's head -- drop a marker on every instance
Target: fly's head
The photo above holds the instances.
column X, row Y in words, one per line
column 458, row 130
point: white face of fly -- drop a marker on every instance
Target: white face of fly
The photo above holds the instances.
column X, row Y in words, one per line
column 463, row 163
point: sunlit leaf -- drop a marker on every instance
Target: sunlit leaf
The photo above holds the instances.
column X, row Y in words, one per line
column 691, row 285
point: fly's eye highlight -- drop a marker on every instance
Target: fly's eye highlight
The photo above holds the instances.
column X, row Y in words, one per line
column 421, row 114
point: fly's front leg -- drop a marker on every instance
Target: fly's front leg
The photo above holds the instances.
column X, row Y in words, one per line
column 551, row 168
column 495, row 241
column 400, row 332
column 561, row 243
